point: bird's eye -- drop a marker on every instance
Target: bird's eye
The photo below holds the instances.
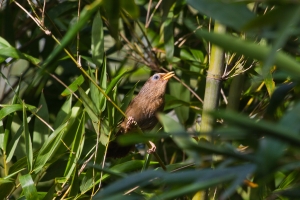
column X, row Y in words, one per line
column 155, row 77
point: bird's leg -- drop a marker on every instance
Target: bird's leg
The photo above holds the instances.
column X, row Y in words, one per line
column 152, row 149
column 129, row 124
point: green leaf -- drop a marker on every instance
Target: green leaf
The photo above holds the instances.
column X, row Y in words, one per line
column 89, row 105
column 28, row 186
column 287, row 23
column 273, row 17
column 169, row 35
column 77, row 146
column 73, row 86
column 198, row 55
column 6, row 186
column 269, row 152
column 112, row 15
column 191, row 55
column 64, row 113
column 291, row 119
column 3, row 137
column 97, row 40
column 180, row 92
column 28, row 142
column 117, row 170
column 5, row 134
column 111, row 91
column 49, row 147
column 127, row 99
column 135, row 138
column 131, row 8
column 191, row 181
column 14, row 144
column 14, row 53
column 8, row 109
column 278, row 97
column 4, row 43
column 74, row 183
column 232, row 14
column 138, row 179
column 289, row 179
column 85, row 15
column 96, row 95
column 41, row 130
column 249, row 49
column 270, row 84
column 278, row 131
column 111, row 110
column 114, row 82
column 184, row 142
column 103, row 85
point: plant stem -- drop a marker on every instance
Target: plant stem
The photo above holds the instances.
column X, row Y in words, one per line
column 213, row 83
column 235, row 92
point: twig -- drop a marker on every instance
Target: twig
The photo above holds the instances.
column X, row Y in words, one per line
column 156, row 7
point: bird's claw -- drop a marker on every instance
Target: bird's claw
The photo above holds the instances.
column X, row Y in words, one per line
column 130, row 122
column 152, row 149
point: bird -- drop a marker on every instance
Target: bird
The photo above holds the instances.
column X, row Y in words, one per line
column 142, row 112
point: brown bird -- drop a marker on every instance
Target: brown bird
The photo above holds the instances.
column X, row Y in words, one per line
column 142, row 111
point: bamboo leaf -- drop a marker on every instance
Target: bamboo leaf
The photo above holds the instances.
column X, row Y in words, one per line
column 41, row 130
column 231, row 14
column 49, row 147
column 89, row 106
column 14, row 53
column 249, row 49
column 77, row 146
column 64, row 113
column 73, row 86
column 13, row 144
column 8, row 109
column 28, row 142
column 97, row 40
column 28, row 186
column 103, row 85
column 4, row 43
column 284, row 133
column 84, row 17
column 168, row 35
column 6, row 186
column 131, row 8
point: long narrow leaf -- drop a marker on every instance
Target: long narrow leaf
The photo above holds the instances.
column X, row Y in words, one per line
column 248, row 48
column 41, row 130
column 28, row 186
column 77, row 146
column 97, row 40
column 28, row 142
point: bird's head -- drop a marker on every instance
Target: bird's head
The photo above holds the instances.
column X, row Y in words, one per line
column 156, row 84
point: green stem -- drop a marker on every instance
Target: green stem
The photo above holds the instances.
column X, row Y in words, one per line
column 235, row 92
column 213, row 83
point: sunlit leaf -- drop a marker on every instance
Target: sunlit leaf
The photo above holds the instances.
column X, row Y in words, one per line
column 28, row 186
column 97, row 40
column 28, row 141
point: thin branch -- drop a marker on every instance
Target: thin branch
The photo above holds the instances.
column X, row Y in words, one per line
column 156, row 7
column 148, row 11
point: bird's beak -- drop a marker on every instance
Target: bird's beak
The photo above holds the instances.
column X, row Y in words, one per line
column 168, row 75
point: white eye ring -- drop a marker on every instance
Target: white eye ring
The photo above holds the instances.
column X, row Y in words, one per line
column 155, row 77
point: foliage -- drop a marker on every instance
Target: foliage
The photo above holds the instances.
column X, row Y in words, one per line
column 69, row 69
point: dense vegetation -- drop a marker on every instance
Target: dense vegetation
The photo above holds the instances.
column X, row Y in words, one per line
column 230, row 128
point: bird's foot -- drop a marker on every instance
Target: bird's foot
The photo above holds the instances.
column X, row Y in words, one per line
column 152, row 149
column 130, row 123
